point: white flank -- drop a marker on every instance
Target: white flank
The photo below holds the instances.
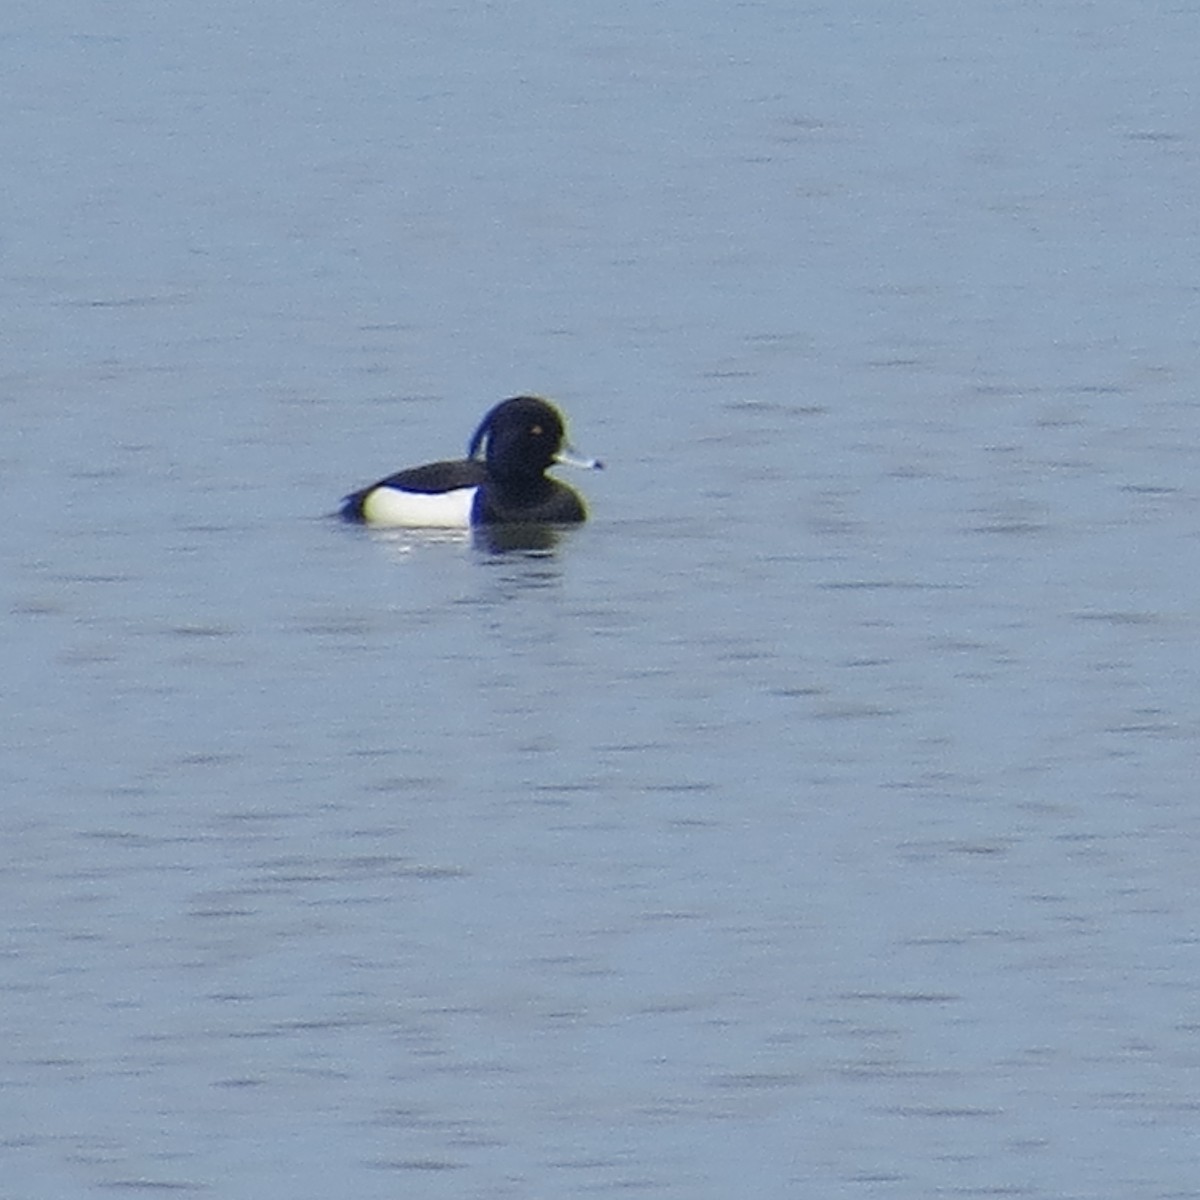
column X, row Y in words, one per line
column 419, row 510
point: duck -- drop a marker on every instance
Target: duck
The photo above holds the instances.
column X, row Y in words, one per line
column 520, row 439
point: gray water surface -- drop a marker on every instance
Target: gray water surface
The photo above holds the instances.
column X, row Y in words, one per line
column 820, row 820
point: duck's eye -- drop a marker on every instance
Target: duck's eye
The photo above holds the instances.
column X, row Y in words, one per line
column 536, row 431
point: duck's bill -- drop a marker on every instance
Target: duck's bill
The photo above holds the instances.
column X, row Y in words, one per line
column 570, row 457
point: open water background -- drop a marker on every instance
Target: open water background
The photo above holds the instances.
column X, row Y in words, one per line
column 820, row 820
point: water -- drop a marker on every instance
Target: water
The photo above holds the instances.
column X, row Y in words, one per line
column 818, row 820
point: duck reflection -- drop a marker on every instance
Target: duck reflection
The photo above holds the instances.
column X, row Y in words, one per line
column 518, row 539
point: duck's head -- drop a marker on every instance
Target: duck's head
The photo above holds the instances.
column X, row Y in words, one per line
column 523, row 437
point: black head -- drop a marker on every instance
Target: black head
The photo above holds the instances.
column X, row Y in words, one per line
column 520, row 437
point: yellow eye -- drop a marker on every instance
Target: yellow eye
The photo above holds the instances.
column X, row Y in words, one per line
column 536, row 431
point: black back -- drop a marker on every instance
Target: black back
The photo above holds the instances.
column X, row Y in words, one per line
column 429, row 479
